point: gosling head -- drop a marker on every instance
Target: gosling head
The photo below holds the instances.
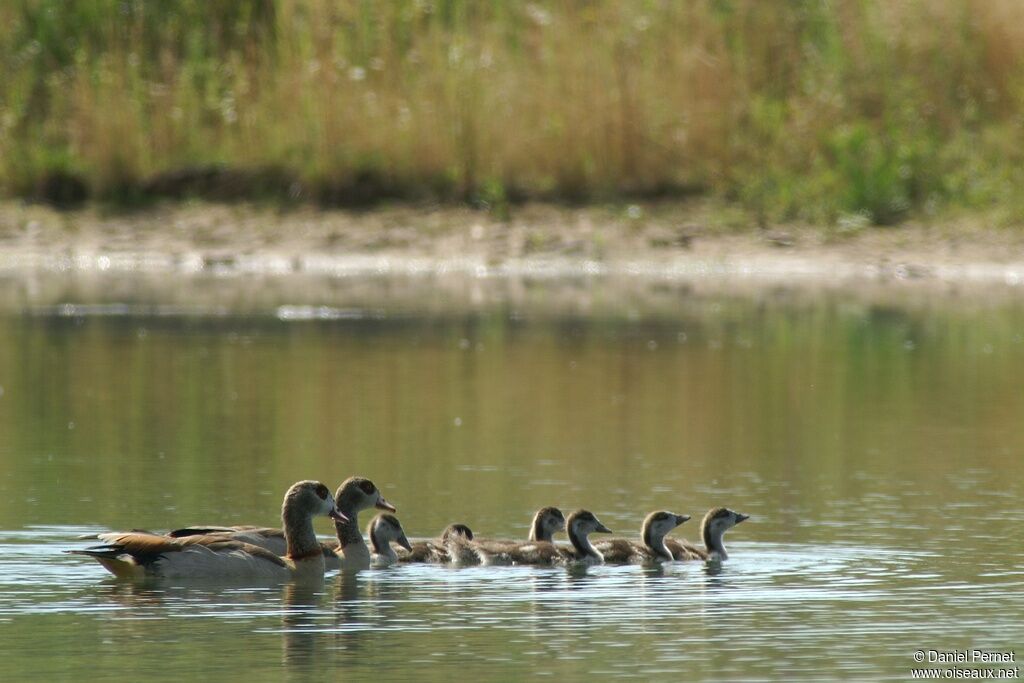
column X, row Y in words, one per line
column 456, row 531
column 580, row 524
column 714, row 525
column 359, row 493
column 310, row 498
column 656, row 526
column 583, row 522
column 662, row 522
column 384, row 529
column 546, row 523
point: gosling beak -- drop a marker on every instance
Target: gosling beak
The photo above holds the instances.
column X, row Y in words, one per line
column 404, row 542
column 603, row 529
column 384, row 505
column 741, row 517
column 682, row 518
column 337, row 516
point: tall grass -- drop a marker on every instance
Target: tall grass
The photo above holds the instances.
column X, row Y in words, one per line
column 804, row 110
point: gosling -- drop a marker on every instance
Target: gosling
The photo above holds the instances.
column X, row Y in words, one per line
column 712, row 528
column 653, row 531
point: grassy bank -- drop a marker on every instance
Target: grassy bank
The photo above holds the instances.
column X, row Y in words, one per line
column 806, row 110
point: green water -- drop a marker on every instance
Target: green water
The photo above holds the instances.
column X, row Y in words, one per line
column 877, row 448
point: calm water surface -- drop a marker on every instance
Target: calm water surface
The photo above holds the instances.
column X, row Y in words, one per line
column 878, row 450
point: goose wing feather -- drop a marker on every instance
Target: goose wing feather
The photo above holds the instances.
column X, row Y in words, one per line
column 263, row 537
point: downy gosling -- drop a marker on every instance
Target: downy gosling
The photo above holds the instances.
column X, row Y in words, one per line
column 440, row 550
column 579, row 525
column 384, row 529
column 652, row 548
column 546, row 522
column 712, row 528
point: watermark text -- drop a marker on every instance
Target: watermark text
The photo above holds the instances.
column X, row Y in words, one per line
column 966, row 664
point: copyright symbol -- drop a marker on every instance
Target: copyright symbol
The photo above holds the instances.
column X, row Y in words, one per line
column 919, row 656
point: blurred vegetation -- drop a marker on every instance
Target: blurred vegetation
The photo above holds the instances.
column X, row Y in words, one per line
column 808, row 110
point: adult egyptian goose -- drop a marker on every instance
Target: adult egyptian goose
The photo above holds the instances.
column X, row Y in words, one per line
column 652, row 548
column 214, row 556
column 348, row 552
column 712, row 528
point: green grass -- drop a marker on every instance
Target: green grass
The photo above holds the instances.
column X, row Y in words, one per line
column 804, row 110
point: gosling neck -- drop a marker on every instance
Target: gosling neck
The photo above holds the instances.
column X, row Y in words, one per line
column 581, row 544
column 656, row 543
column 382, row 548
column 537, row 530
column 713, row 541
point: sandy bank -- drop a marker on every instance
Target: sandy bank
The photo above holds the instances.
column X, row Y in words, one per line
column 458, row 251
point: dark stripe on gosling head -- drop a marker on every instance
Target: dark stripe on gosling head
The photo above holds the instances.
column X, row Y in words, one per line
column 453, row 530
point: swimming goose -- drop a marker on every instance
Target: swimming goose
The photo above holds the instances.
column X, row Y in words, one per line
column 135, row 555
column 579, row 525
column 546, row 523
column 656, row 525
column 714, row 525
column 349, row 551
column 384, row 529
column 439, row 551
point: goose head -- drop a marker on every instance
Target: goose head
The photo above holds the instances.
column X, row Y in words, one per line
column 656, row 526
column 359, row 493
column 310, row 499
column 384, row 529
column 546, row 523
column 453, row 531
column 713, row 527
column 581, row 524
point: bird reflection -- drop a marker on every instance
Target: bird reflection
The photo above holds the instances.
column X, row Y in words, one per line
column 349, row 610
column 134, row 594
column 713, row 568
column 300, row 602
column 652, row 570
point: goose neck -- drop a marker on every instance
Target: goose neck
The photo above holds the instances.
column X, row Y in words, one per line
column 348, row 531
column 656, row 543
column 714, row 543
column 299, row 535
column 537, row 530
column 581, row 544
column 382, row 548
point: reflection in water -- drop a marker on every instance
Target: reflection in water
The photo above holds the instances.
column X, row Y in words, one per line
column 301, row 602
column 712, row 568
column 349, row 611
column 885, row 477
column 653, row 569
